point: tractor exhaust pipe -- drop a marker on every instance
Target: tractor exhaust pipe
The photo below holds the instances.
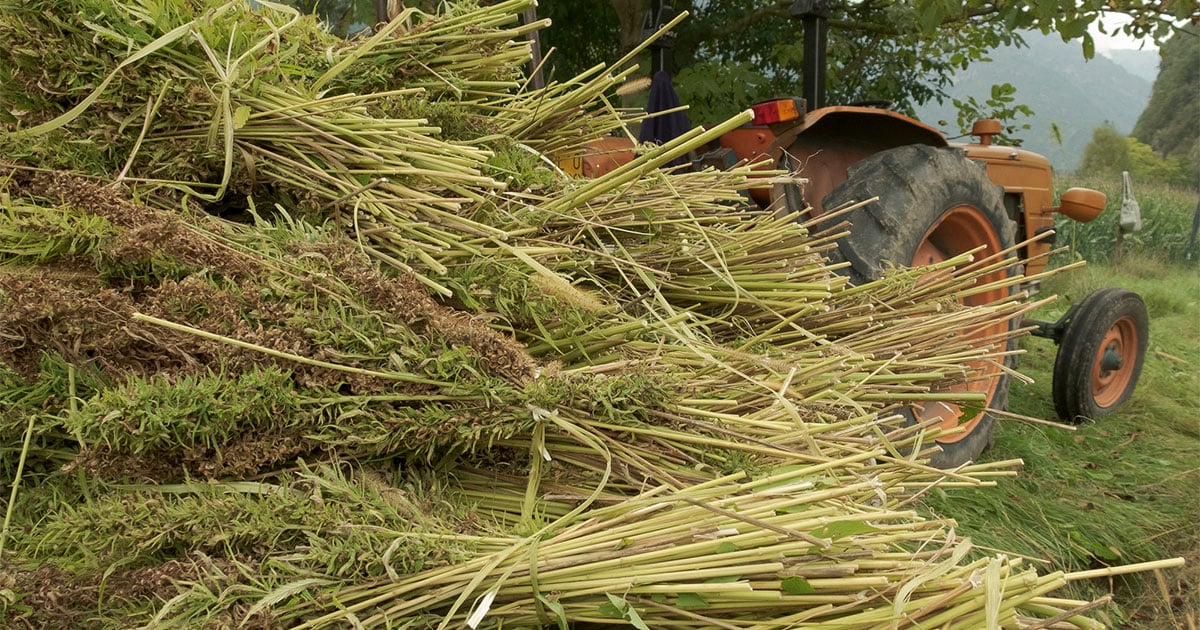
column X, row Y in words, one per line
column 814, row 14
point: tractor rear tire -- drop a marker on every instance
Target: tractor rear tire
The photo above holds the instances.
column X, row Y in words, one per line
column 1100, row 355
column 933, row 204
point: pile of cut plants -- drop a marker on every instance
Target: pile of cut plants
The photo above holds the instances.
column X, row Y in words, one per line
column 300, row 332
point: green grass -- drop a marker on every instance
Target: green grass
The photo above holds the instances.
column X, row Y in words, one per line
column 1123, row 489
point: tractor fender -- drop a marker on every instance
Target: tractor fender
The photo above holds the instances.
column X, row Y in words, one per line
column 823, row 145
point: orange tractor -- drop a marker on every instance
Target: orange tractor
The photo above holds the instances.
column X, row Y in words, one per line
column 935, row 200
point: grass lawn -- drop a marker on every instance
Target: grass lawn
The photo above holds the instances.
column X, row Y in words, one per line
column 1120, row 490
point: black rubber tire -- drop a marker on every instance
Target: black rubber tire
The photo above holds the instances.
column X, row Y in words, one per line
column 917, row 185
column 1079, row 348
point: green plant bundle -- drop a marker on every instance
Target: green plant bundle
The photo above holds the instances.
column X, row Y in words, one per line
column 426, row 379
column 239, row 314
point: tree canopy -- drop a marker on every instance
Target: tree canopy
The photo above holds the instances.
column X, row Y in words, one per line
column 730, row 53
column 1169, row 121
column 1109, row 153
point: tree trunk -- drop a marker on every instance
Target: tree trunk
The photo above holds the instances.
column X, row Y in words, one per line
column 631, row 13
column 1191, row 246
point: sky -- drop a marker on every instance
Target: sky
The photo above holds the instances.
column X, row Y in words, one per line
column 1117, row 41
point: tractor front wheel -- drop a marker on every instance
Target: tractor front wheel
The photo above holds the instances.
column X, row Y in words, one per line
column 933, row 204
column 1100, row 354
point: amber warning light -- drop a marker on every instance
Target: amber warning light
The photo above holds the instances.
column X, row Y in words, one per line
column 780, row 110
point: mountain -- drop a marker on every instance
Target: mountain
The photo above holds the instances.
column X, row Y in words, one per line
column 1139, row 63
column 1064, row 90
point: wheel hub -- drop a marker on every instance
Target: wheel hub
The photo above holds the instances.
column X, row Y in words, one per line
column 1113, row 371
column 1112, row 360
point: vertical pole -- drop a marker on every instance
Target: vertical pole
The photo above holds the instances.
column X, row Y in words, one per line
column 1119, row 247
column 1131, row 215
column 814, row 14
column 815, row 38
column 1191, row 246
column 529, row 16
column 657, row 16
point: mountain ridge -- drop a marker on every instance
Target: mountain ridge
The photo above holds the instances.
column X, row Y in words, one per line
column 1070, row 96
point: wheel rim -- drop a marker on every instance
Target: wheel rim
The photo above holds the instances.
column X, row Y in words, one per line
column 959, row 230
column 1113, row 365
